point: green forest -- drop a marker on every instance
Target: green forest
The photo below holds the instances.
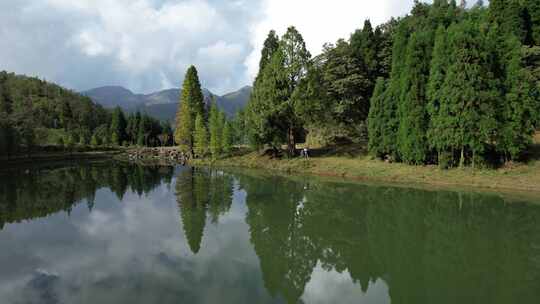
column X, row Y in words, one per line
column 36, row 113
column 447, row 84
column 201, row 129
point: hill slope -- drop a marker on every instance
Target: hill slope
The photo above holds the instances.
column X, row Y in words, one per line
column 33, row 111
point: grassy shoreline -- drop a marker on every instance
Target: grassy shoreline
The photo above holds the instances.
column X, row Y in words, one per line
column 518, row 177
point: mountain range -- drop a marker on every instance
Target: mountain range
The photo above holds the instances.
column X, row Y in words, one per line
column 163, row 104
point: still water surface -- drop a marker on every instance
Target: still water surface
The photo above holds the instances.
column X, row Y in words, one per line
column 118, row 233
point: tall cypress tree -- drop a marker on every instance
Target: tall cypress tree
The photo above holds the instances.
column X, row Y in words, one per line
column 376, row 119
column 222, row 119
column 192, row 93
column 191, row 105
column 201, row 137
column 215, row 131
column 438, row 111
column 183, row 134
column 392, row 94
column 468, row 92
column 118, row 126
column 257, row 118
column 364, row 47
column 271, row 44
column 142, row 133
column 412, row 137
column 227, row 138
column 520, row 109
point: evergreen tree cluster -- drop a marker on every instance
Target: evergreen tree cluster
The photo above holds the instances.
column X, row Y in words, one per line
column 460, row 91
column 201, row 131
column 138, row 129
column 445, row 84
column 32, row 109
column 330, row 92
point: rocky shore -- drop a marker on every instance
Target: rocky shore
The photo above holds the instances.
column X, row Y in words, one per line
column 160, row 153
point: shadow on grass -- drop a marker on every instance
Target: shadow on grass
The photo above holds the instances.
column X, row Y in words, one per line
column 534, row 153
column 349, row 150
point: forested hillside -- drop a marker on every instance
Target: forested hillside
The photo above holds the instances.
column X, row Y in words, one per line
column 30, row 105
column 447, row 84
column 35, row 112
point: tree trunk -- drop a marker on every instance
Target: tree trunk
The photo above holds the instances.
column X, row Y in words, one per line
column 291, row 144
column 462, row 158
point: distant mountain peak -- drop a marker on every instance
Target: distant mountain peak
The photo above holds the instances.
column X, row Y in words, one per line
column 163, row 104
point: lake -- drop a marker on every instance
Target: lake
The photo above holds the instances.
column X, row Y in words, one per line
column 118, row 233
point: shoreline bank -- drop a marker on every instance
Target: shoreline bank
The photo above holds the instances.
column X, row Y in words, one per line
column 520, row 177
column 57, row 156
column 523, row 178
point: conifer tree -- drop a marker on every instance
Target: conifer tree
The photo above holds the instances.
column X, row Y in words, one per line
column 269, row 95
column 255, row 117
column 84, row 136
column 183, row 135
column 201, row 137
column 390, row 121
column 191, row 105
column 376, row 119
column 140, row 139
column 468, row 93
column 364, row 48
column 215, row 131
column 222, row 119
column 412, row 137
column 135, row 127
column 94, row 141
column 227, row 138
column 192, row 93
column 520, row 109
column 271, row 44
column 115, row 139
column 439, row 112
column 118, row 125
column 295, row 59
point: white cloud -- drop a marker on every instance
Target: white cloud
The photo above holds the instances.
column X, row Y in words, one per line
column 319, row 21
column 334, row 287
column 145, row 45
column 140, row 44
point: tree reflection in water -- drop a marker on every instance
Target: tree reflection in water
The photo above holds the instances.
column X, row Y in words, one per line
column 427, row 246
column 38, row 192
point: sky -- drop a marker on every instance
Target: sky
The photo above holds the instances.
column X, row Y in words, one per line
column 147, row 45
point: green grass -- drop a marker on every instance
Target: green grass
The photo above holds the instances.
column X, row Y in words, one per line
column 351, row 162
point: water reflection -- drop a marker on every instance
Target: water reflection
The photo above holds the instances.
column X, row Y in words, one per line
column 27, row 193
column 201, row 191
column 429, row 247
column 250, row 238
